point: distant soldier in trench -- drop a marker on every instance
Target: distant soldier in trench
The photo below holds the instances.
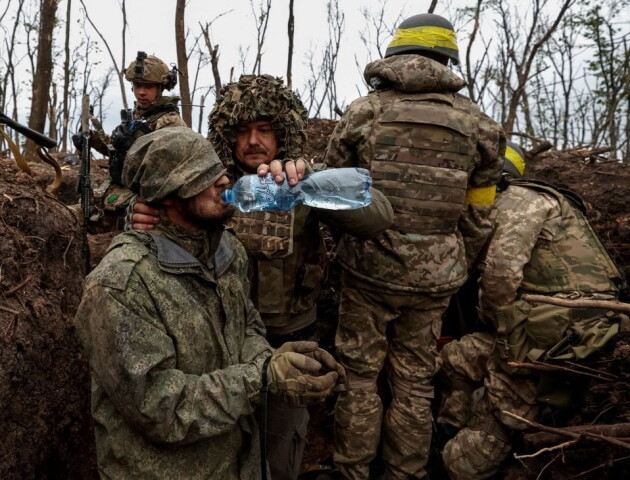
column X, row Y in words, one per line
column 152, row 110
column 259, row 125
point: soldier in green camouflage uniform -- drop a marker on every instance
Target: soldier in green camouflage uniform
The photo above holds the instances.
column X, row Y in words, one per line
column 152, row 110
column 542, row 244
column 255, row 121
column 176, row 347
column 437, row 159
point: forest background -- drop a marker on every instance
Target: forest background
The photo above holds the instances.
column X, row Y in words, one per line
column 554, row 70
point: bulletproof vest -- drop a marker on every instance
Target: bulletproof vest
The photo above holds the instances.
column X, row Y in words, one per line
column 144, row 122
column 264, row 234
column 425, row 148
column 286, row 261
column 574, row 260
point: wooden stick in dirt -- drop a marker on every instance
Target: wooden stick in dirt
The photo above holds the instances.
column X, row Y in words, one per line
column 620, row 431
column 566, row 433
column 578, row 303
column 547, row 367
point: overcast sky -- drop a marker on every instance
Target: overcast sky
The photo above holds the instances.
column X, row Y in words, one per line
column 151, row 29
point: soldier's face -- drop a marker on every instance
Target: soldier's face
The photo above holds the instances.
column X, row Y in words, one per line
column 146, row 93
column 206, row 210
column 256, row 143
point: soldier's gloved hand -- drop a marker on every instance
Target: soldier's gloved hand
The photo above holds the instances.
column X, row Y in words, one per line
column 77, row 140
column 298, row 377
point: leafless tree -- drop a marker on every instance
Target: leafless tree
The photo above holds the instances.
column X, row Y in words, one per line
column 182, row 61
column 290, row 34
column 43, row 73
column 66, row 79
column 262, row 21
column 117, row 68
column 213, row 50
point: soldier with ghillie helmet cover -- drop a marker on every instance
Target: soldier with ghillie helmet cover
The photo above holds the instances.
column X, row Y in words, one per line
column 436, row 157
column 258, row 125
column 542, row 244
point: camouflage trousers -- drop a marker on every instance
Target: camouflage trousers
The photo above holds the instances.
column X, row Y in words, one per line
column 402, row 328
column 479, row 392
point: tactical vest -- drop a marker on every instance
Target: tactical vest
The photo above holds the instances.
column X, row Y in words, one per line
column 575, row 260
column 286, row 262
column 425, row 147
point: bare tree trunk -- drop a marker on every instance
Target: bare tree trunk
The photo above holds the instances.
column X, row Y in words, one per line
column 66, row 80
column 119, row 71
column 290, row 31
column 182, row 61
column 43, row 72
column 262, row 21
column 52, row 114
column 214, row 57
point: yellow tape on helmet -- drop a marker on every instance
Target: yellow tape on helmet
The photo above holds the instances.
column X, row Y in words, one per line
column 481, row 196
column 514, row 157
column 425, row 37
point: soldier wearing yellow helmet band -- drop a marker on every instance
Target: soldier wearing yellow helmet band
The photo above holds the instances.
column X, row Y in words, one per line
column 542, row 244
column 437, row 158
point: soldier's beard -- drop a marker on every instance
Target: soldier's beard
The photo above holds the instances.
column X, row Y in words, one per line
column 208, row 223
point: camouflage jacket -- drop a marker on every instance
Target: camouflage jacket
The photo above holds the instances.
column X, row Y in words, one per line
column 420, row 260
column 176, row 349
column 166, row 116
column 287, row 257
column 543, row 244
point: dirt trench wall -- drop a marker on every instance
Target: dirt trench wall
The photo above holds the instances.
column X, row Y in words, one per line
column 44, row 377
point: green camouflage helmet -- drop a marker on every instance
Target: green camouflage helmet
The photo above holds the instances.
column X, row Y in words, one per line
column 149, row 69
column 254, row 98
column 172, row 160
column 426, row 33
column 514, row 160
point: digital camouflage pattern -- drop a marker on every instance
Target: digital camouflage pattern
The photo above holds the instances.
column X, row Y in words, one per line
column 362, row 346
column 254, row 98
column 174, row 161
column 401, row 278
column 417, row 262
column 176, row 349
column 544, row 244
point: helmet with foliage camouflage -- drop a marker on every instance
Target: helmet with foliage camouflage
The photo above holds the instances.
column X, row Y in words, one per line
column 254, row 98
column 149, row 69
column 171, row 161
column 427, row 34
column 514, row 160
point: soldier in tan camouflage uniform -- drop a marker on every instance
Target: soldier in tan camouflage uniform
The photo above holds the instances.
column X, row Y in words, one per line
column 437, row 158
column 255, row 121
column 176, row 347
column 542, row 244
column 149, row 77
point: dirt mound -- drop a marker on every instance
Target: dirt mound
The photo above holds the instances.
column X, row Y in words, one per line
column 44, row 378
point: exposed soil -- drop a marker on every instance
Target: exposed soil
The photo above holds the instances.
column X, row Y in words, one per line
column 44, row 378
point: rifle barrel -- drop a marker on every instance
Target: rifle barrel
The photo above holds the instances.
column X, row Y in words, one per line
column 37, row 137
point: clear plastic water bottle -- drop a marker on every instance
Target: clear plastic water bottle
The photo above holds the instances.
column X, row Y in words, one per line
column 334, row 189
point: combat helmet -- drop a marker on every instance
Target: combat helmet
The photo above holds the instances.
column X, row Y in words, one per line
column 149, row 69
column 513, row 160
column 426, row 34
column 254, row 98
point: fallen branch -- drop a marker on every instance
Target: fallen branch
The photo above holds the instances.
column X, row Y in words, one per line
column 581, row 303
column 548, row 449
column 19, row 286
column 566, row 433
column 620, row 431
column 548, row 367
column 9, row 310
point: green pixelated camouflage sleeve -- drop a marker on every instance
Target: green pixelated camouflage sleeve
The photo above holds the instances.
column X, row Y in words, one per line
column 133, row 359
